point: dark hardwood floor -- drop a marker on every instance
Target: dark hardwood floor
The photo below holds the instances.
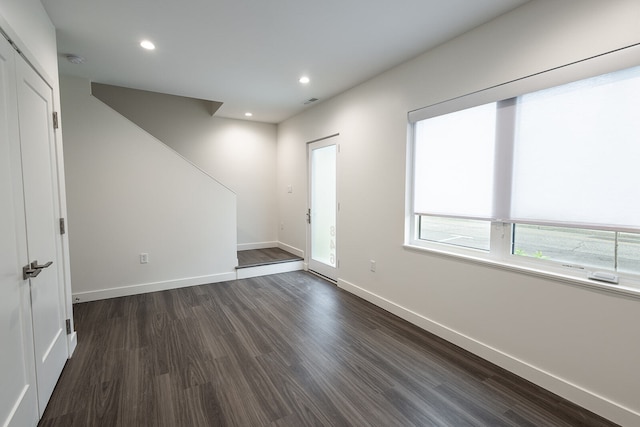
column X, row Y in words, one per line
column 254, row 257
column 281, row 350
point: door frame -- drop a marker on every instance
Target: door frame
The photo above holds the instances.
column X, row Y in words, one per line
column 44, row 241
column 34, row 61
column 329, row 272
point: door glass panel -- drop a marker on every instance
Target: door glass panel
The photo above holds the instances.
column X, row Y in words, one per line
column 323, row 205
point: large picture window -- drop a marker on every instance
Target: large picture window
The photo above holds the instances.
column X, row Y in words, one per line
column 554, row 170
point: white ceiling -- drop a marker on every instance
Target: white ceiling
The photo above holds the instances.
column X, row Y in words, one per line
column 249, row 54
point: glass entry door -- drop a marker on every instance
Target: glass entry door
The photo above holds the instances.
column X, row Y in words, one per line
column 322, row 213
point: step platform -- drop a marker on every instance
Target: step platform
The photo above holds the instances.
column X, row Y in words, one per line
column 262, row 262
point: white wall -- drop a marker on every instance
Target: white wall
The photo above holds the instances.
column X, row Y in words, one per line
column 580, row 343
column 242, row 155
column 128, row 193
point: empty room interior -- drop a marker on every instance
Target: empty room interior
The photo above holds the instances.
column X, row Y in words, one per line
column 290, row 213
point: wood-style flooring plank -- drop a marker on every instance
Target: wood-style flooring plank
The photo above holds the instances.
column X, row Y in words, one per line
column 282, row 350
column 254, row 257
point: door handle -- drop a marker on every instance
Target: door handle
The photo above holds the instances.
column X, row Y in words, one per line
column 32, row 270
column 35, row 266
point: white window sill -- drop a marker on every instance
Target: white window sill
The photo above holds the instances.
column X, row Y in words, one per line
column 564, row 278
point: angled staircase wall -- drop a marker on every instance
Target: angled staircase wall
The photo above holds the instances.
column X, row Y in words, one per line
column 130, row 194
column 241, row 154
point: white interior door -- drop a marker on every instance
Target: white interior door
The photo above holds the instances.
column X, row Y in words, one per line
column 322, row 214
column 41, row 204
column 18, row 393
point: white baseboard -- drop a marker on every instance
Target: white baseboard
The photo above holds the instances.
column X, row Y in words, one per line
column 291, row 249
column 257, row 245
column 264, row 270
column 144, row 288
column 572, row 392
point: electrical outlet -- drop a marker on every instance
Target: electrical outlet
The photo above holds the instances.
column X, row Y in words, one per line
column 281, row 226
column 289, row 188
column 144, row 258
column 372, row 266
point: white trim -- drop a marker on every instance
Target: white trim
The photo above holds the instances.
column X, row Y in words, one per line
column 265, row 270
column 257, row 245
column 72, row 343
column 291, row 249
column 572, row 392
column 536, row 272
column 144, row 288
column 28, row 56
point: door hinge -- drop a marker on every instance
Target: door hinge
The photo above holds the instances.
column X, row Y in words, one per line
column 309, row 216
column 68, row 326
column 55, row 120
column 63, row 228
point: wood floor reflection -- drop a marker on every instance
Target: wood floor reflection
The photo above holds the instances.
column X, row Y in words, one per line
column 281, row 350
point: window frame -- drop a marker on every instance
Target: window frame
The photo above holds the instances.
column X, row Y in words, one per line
column 501, row 253
column 579, row 269
column 500, row 256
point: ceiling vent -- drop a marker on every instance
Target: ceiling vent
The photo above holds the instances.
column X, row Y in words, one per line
column 310, row 100
column 74, row 59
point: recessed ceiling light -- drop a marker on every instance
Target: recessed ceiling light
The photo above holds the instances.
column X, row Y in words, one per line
column 304, row 80
column 146, row 44
column 248, row 114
